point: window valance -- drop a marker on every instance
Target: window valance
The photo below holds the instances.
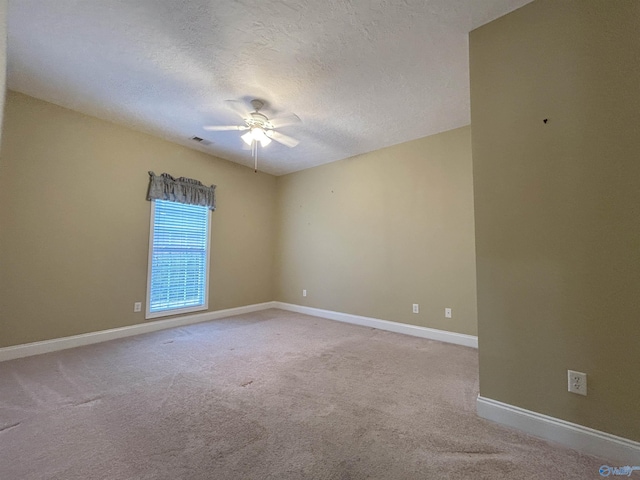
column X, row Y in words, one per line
column 181, row 190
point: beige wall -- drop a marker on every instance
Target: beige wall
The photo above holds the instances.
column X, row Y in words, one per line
column 3, row 58
column 373, row 234
column 74, row 222
column 557, row 208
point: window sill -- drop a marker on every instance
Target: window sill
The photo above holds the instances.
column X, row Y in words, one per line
column 177, row 311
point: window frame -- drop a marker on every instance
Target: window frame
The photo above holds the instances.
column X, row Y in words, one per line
column 175, row 311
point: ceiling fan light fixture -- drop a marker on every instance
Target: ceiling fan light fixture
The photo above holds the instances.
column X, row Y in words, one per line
column 264, row 139
column 248, row 138
column 256, row 134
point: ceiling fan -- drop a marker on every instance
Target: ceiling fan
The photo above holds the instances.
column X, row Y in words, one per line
column 260, row 129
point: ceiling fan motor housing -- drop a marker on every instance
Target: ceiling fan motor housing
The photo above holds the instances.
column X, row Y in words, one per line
column 258, row 120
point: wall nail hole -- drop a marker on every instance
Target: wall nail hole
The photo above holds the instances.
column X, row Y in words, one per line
column 545, row 120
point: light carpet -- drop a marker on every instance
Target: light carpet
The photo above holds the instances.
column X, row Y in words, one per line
column 267, row 395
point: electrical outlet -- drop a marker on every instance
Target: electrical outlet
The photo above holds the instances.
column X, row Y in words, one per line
column 577, row 382
column 137, row 307
column 416, row 308
column 304, row 293
column 447, row 313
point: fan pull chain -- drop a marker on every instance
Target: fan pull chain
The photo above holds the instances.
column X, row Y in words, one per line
column 254, row 144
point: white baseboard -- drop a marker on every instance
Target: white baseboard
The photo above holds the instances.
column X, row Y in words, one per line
column 616, row 450
column 423, row 332
column 46, row 346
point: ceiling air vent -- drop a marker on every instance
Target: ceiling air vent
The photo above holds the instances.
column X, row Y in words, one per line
column 201, row 140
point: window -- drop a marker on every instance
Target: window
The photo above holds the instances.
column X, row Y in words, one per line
column 178, row 258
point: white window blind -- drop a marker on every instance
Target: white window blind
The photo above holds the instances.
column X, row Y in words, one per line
column 179, row 258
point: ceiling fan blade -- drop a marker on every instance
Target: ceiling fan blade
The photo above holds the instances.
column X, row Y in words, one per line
column 284, row 139
column 224, row 128
column 241, row 108
column 284, row 121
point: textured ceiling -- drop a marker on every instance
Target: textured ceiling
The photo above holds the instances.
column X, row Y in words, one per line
column 361, row 74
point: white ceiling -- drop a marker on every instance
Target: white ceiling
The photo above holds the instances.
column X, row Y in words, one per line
column 361, row 74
